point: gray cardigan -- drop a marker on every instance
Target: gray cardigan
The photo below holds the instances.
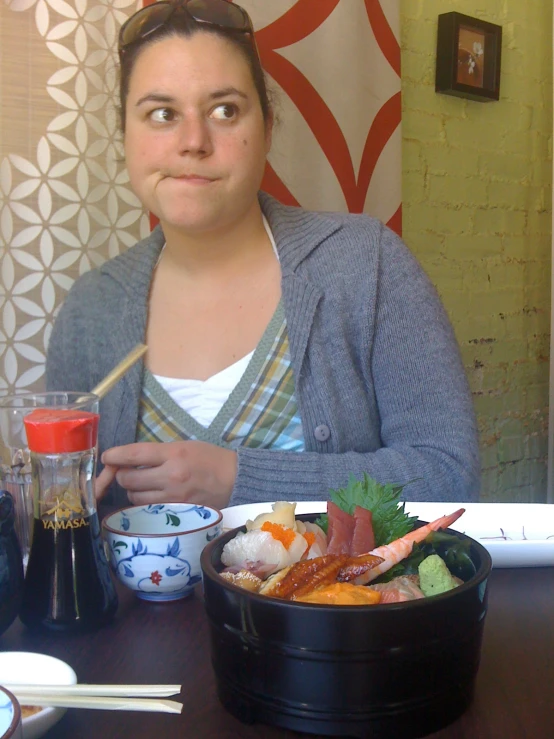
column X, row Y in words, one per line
column 380, row 385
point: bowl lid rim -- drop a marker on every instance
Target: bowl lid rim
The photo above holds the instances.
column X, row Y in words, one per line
column 480, row 576
column 170, row 534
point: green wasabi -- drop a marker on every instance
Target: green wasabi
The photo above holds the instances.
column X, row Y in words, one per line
column 434, row 576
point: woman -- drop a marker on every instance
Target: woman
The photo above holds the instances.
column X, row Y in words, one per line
column 286, row 349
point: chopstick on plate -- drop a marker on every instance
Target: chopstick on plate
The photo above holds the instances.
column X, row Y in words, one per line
column 86, row 689
column 100, row 702
column 106, row 697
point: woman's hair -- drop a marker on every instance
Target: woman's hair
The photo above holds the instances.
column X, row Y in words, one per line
column 183, row 25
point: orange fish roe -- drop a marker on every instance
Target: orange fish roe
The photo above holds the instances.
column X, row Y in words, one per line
column 282, row 533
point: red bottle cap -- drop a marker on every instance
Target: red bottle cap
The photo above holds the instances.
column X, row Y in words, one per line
column 58, row 430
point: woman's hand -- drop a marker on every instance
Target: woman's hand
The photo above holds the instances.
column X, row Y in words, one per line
column 177, row 471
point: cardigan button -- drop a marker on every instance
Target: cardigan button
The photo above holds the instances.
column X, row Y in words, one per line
column 322, row 433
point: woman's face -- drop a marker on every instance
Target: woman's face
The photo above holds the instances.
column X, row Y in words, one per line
column 195, row 138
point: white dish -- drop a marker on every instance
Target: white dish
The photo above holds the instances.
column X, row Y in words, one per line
column 27, row 668
column 515, row 534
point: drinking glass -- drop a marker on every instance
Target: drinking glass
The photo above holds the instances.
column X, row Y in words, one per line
column 15, row 459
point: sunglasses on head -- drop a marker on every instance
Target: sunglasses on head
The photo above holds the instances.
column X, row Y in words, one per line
column 220, row 13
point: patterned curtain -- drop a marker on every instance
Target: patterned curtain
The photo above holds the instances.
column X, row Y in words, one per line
column 335, row 65
column 65, row 201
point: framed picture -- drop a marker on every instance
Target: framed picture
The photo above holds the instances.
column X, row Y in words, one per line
column 468, row 57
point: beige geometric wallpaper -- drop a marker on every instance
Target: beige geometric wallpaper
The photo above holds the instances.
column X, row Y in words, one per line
column 65, row 201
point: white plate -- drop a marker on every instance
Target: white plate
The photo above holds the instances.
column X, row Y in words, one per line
column 515, row 534
column 30, row 667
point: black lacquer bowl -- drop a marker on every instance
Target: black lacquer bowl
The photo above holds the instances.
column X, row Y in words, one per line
column 385, row 671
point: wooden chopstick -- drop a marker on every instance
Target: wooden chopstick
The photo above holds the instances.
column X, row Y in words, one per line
column 86, row 689
column 119, row 370
column 100, row 703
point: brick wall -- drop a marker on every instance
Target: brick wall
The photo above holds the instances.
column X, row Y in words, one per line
column 477, row 213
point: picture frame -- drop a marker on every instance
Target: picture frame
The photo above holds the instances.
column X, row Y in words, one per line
column 468, row 57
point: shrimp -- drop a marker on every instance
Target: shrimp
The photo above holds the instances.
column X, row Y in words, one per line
column 360, row 573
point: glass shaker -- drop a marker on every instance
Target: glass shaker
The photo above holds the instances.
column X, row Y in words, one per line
column 68, row 586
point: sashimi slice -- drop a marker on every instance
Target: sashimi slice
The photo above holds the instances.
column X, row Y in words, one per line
column 254, row 546
column 260, row 547
column 319, row 547
column 363, row 539
column 340, row 531
column 399, row 589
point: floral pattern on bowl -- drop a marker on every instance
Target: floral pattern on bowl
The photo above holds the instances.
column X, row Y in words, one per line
column 10, row 716
column 172, row 516
column 155, row 549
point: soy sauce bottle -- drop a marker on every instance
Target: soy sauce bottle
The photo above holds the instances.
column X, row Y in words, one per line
column 68, row 586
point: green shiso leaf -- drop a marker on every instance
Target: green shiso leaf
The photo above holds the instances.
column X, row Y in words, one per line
column 390, row 521
column 323, row 522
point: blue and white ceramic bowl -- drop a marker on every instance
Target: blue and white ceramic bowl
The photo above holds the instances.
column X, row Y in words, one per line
column 10, row 716
column 155, row 549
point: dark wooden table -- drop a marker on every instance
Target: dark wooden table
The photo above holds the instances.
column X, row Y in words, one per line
column 168, row 643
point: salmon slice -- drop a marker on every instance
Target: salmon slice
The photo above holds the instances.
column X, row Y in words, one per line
column 399, row 589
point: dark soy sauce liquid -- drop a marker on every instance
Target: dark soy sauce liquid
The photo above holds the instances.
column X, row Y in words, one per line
column 68, row 586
